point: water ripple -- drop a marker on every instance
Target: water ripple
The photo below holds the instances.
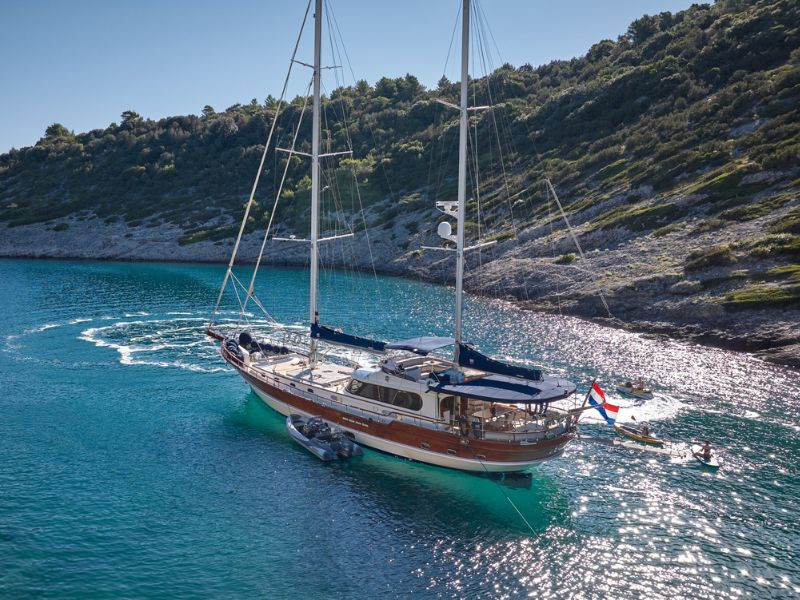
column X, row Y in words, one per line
column 141, row 469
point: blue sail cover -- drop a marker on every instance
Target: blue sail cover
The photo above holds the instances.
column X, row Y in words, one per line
column 499, row 388
column 469, row 357
column 329, row 334
column 421, row 345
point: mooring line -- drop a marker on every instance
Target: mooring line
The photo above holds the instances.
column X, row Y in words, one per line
column 502, row 491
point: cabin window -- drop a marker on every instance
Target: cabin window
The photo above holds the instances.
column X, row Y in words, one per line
column 399, row 398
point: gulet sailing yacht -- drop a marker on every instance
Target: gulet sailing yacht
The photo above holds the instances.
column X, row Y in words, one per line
column 470, row 412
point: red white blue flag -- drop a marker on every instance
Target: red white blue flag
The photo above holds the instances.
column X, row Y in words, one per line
column 597, row 398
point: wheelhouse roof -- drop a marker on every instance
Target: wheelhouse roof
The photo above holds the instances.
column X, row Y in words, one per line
column 500, row 388
column 421, row 345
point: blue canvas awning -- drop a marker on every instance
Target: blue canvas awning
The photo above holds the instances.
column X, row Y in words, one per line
column 421, row 345
column 323, row 332
column 469, row 357
column 498, row 388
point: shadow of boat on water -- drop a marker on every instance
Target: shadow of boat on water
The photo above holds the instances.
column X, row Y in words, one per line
column 414, row 494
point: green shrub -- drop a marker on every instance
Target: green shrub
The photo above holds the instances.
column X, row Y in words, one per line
column 709, row 225
column 757, row 209
column 641, row 218
column 789, row 273
column 500, row 236
column 762, row 296
column 715, row 256
column 788, row 223
column 667, row 229
column 565, row 259
column 773, row 245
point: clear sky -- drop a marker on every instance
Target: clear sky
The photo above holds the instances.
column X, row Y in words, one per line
column 83, row 62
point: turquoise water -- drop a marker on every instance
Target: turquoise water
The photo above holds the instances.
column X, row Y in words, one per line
column 135, row 464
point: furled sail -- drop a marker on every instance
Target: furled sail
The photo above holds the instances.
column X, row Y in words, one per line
column 469, row 357
column 329, row 334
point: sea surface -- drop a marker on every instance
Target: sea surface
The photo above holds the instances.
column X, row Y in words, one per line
column 134, row 463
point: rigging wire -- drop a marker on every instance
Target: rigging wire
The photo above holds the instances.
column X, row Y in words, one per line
column 260, row 167
column 481, row 17
column 277, row 200
column 553, row 246
column 575, row 239
column 483, row 26
column 356, row 186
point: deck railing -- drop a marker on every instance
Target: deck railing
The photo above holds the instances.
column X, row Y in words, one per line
column 386, row 416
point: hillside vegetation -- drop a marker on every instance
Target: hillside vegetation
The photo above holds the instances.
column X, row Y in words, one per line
column 679, row 141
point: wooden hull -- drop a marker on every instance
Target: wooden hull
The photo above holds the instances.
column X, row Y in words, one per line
column 407, row 440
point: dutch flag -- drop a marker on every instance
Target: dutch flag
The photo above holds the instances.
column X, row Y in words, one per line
column 598, row 399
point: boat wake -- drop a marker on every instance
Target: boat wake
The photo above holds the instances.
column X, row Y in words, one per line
column 170, row 340
column 13, row 341
column 173, row 342
column 176, row 339
column 662, row 407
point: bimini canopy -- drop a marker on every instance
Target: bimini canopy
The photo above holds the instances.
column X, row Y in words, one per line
column 329, row 334
column 421, row 345
column 499, row 388
column 469, row 357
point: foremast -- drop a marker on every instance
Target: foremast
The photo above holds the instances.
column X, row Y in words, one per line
column 315, row 179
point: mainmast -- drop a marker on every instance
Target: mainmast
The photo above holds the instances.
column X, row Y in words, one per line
column 315, row 175
column 462, row 173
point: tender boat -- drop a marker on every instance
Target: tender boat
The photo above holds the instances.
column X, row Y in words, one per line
column 320, row 439
column 636, row 434
column 636, row 389
column 711, row 463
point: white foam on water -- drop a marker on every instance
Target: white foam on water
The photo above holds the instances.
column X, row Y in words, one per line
column 661, row 407
column 10, row 345
column 159, row 342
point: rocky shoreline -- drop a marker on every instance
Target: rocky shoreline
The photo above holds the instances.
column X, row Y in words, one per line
column 658, row 300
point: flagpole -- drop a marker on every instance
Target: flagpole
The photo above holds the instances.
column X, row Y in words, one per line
column 589, row 393
column 577, row 411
